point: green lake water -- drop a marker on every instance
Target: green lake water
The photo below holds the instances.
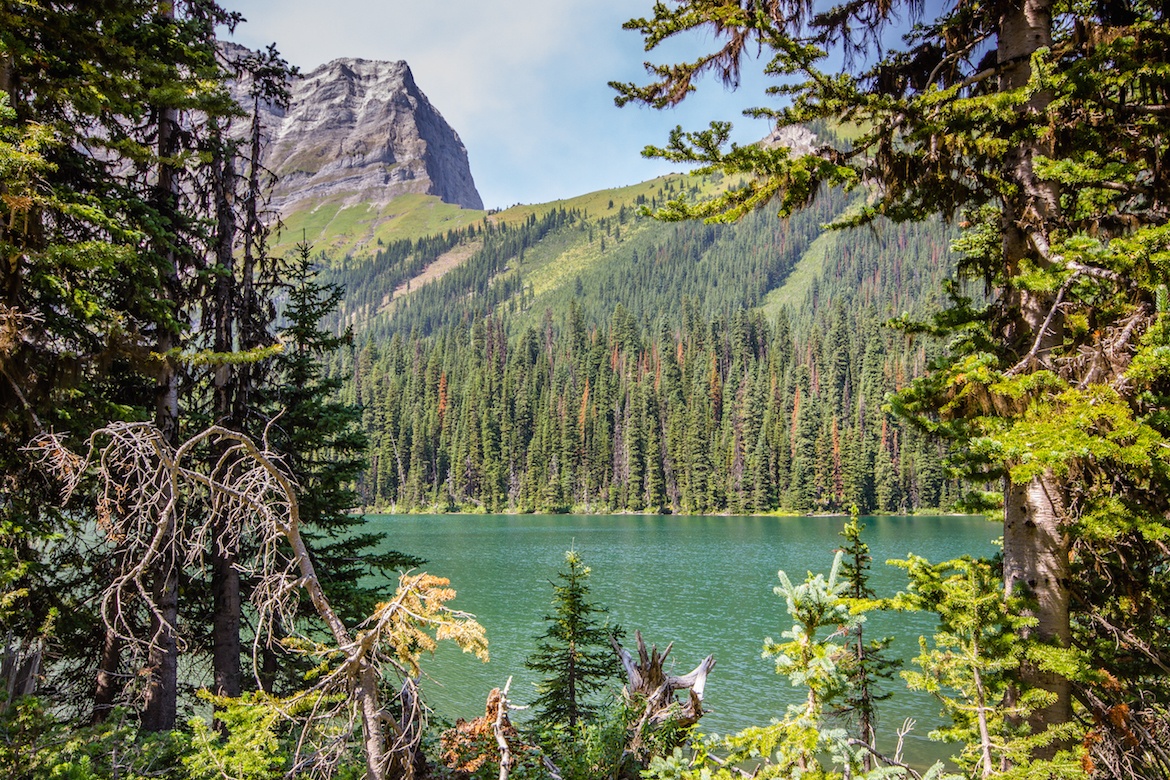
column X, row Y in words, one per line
column 704, row 583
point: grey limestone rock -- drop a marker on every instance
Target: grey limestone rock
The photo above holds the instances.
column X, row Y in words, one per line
column 798, row 138
column 360, row 131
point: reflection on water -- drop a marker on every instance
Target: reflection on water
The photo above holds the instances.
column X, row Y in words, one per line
column 704, row 583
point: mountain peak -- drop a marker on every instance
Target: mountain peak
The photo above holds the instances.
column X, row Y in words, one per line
column 361, row 131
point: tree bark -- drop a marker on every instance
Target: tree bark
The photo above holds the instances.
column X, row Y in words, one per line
column 226, row 626
column 107, row 688
column 646, row 677
column 6, row 75
column 20, row 665
column 500, row 728
column 161, row 706
column 375, row 739
column 225, row 577
column 162, row 692
column 1035, row 545
column 1036, row 563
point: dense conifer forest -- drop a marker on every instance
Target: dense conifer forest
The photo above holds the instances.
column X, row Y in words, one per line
column 720, row 414
column 659, row 376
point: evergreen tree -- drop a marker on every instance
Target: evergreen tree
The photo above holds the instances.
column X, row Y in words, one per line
column 324, row 445
column 574, row 653
column 969, row 665
column 1041, row 126
column 615, row 431
column 805, row 742
column 868, row 665
column 110, row 105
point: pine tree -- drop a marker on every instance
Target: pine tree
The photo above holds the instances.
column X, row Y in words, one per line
column 574, row 653
column 324, row 445
column 655, row 496
column 103, row 258
column 970, row 663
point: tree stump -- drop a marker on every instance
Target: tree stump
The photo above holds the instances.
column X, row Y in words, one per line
column 648, row 682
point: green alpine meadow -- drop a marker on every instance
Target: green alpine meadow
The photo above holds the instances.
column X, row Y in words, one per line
column 836, row 452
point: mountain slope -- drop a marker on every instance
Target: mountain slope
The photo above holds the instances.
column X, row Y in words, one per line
column 358, row 135
column 579, row 355
column 591, row 359
column 599, row 250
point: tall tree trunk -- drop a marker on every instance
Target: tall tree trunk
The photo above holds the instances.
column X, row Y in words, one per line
column 108, row 686
column 269, row 660
column 6, row 76
column 372, row 722
column 162, row 692
column 160, row 710
column 1035, row 545
column 1036, row 562
column 161, row 706
column 225, row 577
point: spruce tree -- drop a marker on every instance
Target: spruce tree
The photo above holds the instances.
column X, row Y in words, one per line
column 868, row 663
column 573, row 655
column 98, row 290
column 1039, row 127
column 323, row 443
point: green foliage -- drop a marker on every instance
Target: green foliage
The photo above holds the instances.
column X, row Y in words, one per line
column 807, row 742
column 251, row 747
column 867, row 664
column 324, row 445
column 1040, row 125
column 723, row 414
column 596, row 749
column 970, row 665
column 574, row 653
column 36, row 746
column 685, row 290
column 809, row 661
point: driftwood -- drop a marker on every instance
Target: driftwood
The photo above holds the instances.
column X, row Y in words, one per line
column 501, row 728
column 650, row 686
column 646, row 679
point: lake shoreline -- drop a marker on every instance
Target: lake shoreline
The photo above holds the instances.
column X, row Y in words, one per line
column 390, row 512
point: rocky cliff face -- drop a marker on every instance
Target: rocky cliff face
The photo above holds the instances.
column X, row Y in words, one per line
column 361, row 131
column 799, row 139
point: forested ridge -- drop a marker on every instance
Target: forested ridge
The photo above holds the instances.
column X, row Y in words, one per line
column 657, row 376
column 722, row 414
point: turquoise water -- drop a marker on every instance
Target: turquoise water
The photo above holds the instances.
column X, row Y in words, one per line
column 704, row 583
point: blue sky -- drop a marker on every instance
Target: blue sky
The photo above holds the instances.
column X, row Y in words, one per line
column 523, row 82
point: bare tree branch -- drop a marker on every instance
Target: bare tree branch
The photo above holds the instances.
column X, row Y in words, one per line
column 155, row 502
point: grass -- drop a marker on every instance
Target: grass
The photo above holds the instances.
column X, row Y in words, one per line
column 339, row 229
column 608, row 203
column 808, row 269
column 560, row 258
column 551, row 267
